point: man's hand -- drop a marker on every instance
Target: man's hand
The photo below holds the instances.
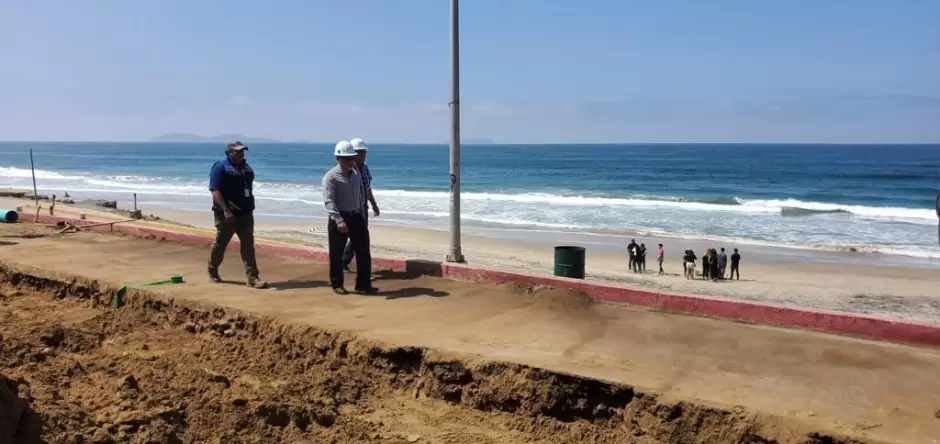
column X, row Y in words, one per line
column 229, row 216
column 375, row 210
column 341, row 226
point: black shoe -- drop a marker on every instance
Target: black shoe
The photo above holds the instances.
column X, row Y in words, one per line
column 214, row 276
column 367, row 290
column 340, row 291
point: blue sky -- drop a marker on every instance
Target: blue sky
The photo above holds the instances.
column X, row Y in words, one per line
column 532, row 70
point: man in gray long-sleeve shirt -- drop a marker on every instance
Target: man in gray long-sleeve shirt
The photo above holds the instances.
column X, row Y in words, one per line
column 342, row 197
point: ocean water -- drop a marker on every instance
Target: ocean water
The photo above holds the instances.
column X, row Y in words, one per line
column 871, row 198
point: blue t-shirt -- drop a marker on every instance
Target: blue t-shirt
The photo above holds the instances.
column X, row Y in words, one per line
column 235, row 184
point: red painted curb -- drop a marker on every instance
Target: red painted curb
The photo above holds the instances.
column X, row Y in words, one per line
column 847, row 324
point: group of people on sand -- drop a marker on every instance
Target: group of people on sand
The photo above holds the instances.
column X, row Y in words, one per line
column 347, row 193
column 714, row 264
column 637, row 255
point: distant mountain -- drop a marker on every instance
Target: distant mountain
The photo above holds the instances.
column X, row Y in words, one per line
column 186, row 137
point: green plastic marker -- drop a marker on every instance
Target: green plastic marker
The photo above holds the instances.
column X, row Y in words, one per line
column 119, row 295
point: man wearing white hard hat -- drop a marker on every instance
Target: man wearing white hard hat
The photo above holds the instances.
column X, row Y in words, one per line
column 359, row 146
column 343, row 198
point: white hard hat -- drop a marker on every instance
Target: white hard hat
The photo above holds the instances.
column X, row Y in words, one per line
column 359, row 144
column 344, row 149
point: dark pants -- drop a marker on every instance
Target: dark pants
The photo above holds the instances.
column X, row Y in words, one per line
column 244, row 227
column 735, row 271
column 358, row 234
column 349, row 252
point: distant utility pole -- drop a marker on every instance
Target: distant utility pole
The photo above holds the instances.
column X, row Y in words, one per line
column 454, row 255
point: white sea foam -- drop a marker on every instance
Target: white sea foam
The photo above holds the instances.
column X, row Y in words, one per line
column 828, row 226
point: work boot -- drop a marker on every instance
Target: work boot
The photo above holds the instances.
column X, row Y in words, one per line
column 367, row 290
column 254, row 282
column 214, row 276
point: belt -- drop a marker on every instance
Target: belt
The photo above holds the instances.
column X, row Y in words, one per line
column 348, row 213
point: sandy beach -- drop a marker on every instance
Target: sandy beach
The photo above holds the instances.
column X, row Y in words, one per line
column 497, row 358
column 786, row 276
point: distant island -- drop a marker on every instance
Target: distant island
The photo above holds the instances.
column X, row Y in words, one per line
column 186, row 137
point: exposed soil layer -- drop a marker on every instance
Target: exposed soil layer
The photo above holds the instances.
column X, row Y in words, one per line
column 161, row 371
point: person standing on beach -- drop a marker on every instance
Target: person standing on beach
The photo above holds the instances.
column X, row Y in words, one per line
column 233, row 206
column 689, row 264
column 631, row 252
column 641, row 258
column 706, row 263
column 343, row 199
column 359, row 146
column 660, row 255
column 735, row 263
column 713, row 264
column 722, row 263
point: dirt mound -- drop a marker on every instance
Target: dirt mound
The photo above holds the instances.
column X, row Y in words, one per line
column 552, row 298
column 172, row 372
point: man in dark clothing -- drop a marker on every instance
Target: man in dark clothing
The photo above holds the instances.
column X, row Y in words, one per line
column 233, row 206
column 343, row 199
column 706, row 264
column 631, row 251
column 735, row 263
column 359, row 146
column 641, row 258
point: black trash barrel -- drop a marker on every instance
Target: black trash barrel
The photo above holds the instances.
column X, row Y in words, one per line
column 569, row 262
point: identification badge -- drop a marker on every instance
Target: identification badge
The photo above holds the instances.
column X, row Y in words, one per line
column 247, row 192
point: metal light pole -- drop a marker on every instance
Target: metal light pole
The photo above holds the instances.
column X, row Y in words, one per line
column 32, row 167
column 454, row 255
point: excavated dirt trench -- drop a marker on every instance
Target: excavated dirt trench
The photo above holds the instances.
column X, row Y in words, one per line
column 160, row 371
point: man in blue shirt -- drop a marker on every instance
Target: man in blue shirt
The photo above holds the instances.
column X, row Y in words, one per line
column 233, row 205
column 361, row 149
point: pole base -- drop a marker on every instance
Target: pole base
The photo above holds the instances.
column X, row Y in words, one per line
column 456, row 257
